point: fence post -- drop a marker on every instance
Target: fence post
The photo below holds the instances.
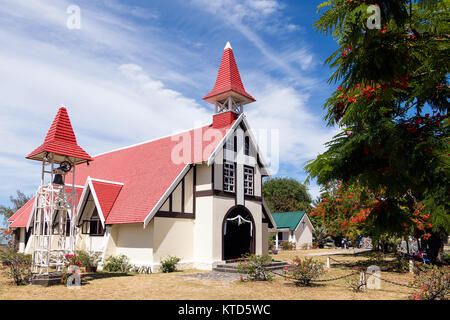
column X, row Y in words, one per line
column 362, row 280
column 328, row 263
column 411, row 266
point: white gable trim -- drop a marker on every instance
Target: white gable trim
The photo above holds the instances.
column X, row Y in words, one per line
column 266, row 207
column 30, row 217
column 166, row 195
column 241, row 118
column 107, row 181
column 90, row 186
column 81, row 200
column 97, row 203
column 225, row 138
column 307, row 220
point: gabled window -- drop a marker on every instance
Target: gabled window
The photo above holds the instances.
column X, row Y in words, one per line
column 229, row 175
column 93, row 226
column 248, row 181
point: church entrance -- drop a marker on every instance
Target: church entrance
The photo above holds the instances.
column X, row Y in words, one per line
column 238, row 233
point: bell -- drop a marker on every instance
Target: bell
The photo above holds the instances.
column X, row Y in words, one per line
column 58, row 179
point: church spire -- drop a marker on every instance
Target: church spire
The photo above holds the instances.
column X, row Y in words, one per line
column 228, row 93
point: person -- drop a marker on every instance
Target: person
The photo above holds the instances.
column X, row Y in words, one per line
column 359, row 241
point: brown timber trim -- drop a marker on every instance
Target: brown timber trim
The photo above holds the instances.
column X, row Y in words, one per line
column 170, row 201
column 253, row 198
column 220, row 193
column 193, row 189
column 182, row 195
column 168, row 214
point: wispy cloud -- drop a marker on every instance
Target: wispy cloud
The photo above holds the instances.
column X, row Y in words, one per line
column 124, row 80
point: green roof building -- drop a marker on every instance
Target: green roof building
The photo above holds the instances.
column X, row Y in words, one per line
column 295, row 227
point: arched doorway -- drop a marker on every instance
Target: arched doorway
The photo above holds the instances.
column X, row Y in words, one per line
column 238, row 233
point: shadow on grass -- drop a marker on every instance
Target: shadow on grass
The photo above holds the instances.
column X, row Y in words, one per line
column 386, row 262
column 105, row 275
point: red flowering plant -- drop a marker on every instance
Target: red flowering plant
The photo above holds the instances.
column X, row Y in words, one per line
column 302, row 272
column 72, row 266
column 431, row 283
column 15, row 265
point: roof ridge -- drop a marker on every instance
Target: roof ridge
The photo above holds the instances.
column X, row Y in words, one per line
column 150, row 141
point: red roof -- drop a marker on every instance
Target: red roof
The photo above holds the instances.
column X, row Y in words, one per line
column 146, row 170
column 20, row 218
column 228, row 80
column 61, row 140
column 106, row 193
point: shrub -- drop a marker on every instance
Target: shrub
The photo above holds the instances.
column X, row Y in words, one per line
column 88, row 258
column 16, row 266
column 431, row 283
column 169, row 264
column 254, row 266
column 117, row 264
column 302, row 272
column 288, row 245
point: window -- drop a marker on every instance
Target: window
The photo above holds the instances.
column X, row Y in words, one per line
column 247, row 146
column 93, row 226
column 228, row 176
column 248, row 181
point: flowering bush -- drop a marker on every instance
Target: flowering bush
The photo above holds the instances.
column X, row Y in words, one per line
column 16, row 265
column 302, row 272
column 72, row 266
column 254, row 266
column 169, row 264
column 431, row 283
column 88, row 258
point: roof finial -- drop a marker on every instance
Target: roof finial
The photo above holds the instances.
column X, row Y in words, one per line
column 228, row 46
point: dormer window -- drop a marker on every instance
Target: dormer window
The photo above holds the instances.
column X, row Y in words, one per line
column 93, row 226
column 229, row 177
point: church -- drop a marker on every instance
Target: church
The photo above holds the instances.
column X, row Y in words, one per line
column 196, row 194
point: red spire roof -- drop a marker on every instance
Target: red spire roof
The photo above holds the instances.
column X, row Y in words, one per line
column 61, row 141
column 228, row 80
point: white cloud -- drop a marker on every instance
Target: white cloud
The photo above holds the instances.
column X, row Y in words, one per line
column 120, row 83
column 252, row 15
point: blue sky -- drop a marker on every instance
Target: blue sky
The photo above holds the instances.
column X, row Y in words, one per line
column 137, row 70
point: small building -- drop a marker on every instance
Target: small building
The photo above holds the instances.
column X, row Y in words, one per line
column 295, row 227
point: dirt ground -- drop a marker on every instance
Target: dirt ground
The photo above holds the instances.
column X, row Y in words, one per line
column 172, row 286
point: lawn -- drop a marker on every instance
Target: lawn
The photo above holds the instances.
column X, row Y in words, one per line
column 172, row 286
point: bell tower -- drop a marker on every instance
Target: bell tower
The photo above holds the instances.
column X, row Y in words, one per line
column 52, row 223
column 228, row 94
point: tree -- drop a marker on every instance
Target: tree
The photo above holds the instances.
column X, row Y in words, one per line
column 392, row 106
column 286, row 195
column 17, row 203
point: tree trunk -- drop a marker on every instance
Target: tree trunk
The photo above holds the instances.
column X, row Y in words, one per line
column 435, row 245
